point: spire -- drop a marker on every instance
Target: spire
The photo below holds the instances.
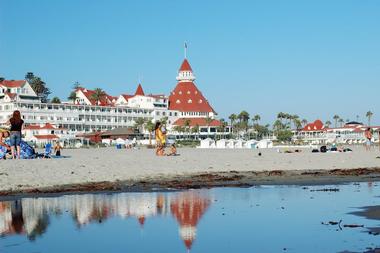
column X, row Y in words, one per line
column 139, row 91
column 185, row 73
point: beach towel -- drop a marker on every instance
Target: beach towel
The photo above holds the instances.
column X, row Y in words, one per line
column 3, row 152
column 26, row 151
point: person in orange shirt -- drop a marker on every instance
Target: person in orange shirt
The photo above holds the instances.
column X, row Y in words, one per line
column 160, row 139
column 368, row 136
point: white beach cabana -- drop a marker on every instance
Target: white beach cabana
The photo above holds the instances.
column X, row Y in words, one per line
column 207, row 143
column 221, row 143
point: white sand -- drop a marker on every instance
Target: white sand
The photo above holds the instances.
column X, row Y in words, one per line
column 109, row 164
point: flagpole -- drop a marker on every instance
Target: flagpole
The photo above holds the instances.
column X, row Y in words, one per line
column 185, row 49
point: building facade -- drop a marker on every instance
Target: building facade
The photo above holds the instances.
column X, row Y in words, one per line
column 90, row 112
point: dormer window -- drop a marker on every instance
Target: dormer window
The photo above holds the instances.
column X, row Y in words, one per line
column 180, row 93
column 188, row 92
column 200, row 101
column 189, row 101
column 178, row 101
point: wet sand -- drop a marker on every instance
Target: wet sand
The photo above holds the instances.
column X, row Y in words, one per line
column 108, row 169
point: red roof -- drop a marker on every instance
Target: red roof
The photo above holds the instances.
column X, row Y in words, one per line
column 35, row 127
column 11, row 95
column 46, row 136
column 196, row 121
column 126, row 96
column 139, row 91
column 187, row 98
column 315, row 126
column 12, row 84
column 105, row 101
column 185, row 66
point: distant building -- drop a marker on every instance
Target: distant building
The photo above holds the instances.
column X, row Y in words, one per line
column 87, row 114
column 351, row 133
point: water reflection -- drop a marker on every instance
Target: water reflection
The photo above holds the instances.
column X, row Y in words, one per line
column 30, row 216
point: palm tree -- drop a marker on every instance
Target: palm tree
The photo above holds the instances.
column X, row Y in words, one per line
column 369, row 115
column 76, row 85
column 208, row 122
column 186, row 125
column 55, row 100
column 304, row 122
column 98, row 95
column 336, row 118
column 73, row 97
column 256, row 118
column 232, row 119
column 243, row 116
column 295, row 118
column 328, row 123
column 149, row 125
column 139, row 124
column 341, row 122
column 195, row 130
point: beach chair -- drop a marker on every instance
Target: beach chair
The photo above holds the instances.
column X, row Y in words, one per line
column 48, row 150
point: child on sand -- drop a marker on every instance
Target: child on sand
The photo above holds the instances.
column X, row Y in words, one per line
column 173, row 150
column 57, row 148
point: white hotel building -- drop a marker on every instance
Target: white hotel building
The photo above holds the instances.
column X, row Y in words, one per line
column 87, row 115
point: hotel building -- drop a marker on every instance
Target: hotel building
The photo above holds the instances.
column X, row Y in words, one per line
column 185, row 103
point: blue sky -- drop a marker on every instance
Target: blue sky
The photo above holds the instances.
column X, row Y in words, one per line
column 311, row 58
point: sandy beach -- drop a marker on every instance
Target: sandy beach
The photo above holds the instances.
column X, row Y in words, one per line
column 111, row 169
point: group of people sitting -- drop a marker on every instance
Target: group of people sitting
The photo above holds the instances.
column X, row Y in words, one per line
column 13, row 147
column 160, row 133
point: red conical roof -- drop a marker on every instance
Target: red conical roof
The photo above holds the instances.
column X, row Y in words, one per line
column 185, row 66
column 139, row 91
column 187, row 98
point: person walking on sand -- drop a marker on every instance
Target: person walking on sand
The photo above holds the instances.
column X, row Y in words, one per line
column 160, row 139
column 368, row 136
column 16, row 126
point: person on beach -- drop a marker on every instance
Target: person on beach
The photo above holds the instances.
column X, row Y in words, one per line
column 4, row 134
column 368, row 136
column 15, row 133
column 57, row 148
column 4, row 147
column 173, row 150
column 160, row 139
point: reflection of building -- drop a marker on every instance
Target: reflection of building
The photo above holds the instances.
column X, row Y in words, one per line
column 188, row 209
column 31, row 215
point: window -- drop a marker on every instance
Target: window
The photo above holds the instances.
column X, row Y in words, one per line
column 189, row 101
column 178, row 101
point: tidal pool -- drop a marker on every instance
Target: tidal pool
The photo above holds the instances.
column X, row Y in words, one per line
column 257, row 219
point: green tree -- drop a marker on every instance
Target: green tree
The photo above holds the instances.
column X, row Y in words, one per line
column 186, row 125
column 1, row 79
column 38, row 86
column 139, row 124
column 284, row 136
column 369, row 115
column 73, row 96
column 55, row 100
column 336, row 119
column 98, row 95
column 208, row 122
column 195, row 130
column 341, row 122
column 149, row 125
column 328, row 123
column 164, row 120
column 232, row 119
column 304, row 122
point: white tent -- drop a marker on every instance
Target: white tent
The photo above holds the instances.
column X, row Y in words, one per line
column 239, row 143
column 265, row 144
column 207, row 143
column 251, row 144
column 221, row 143
column 120, row 141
